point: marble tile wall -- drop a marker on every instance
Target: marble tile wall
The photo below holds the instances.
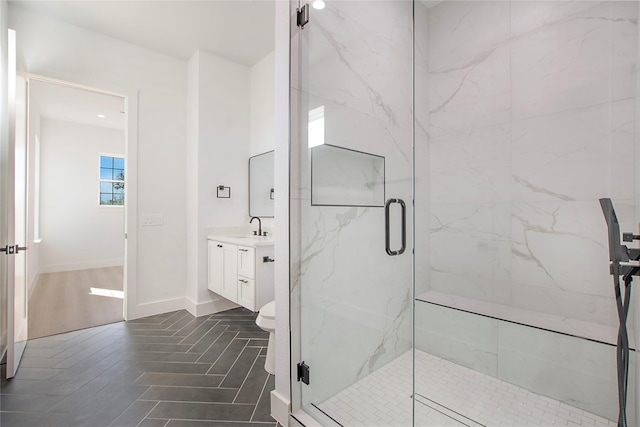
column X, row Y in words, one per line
column 530, row 119
column 575, row 371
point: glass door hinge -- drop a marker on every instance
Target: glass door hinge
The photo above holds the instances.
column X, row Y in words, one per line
column 303, row 373
column 303, row 15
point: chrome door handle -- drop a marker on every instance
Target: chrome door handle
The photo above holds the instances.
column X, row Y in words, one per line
column 20, row 248
column 387, row 237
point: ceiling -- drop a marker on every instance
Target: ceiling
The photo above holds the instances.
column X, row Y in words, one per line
column 238, row 30
column 70, row 104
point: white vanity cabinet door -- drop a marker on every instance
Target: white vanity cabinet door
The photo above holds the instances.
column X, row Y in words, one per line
column 223, row 269
column 230, row 279
column 246, row 262
column 247, row 293
column 216, row 266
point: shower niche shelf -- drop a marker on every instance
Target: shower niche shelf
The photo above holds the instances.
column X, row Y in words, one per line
column 344, row 177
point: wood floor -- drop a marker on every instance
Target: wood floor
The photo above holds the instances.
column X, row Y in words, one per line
column 72, row 300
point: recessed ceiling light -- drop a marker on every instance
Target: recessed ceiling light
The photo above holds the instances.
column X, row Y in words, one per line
column 101, row 116
column 318, row 4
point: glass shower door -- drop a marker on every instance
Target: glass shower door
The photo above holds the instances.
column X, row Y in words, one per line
column 352, row 195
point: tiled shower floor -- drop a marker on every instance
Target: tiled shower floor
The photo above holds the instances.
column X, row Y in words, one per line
column 447, row 395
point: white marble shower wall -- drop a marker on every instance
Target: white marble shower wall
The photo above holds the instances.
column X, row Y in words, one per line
column 575, row 371
column 530, row 111
column 355, row 309
column 531, row 119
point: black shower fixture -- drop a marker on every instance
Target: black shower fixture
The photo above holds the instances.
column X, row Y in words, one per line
column 622, row 263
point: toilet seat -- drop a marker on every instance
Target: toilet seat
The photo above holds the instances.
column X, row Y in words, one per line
column 269, row 310
column 267, row 317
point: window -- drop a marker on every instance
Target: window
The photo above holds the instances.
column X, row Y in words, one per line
column 111, row 180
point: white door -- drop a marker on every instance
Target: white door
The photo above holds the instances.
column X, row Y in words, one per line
column 15, row 227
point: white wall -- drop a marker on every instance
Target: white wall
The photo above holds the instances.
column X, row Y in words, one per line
column 281, row 396
column 33, row 254
column 77, row 233
column 230, row 116
column 155, row 87
column 263, row 137
column 218, row 152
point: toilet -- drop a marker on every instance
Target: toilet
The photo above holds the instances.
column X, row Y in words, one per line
column 266, row 320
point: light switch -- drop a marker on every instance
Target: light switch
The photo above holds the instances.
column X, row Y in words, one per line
column 150, row 220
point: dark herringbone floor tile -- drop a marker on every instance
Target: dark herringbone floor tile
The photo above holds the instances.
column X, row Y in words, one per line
column 170, row 369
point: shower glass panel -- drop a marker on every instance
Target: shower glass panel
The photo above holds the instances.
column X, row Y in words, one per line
column 501, row 125
column 352, row 92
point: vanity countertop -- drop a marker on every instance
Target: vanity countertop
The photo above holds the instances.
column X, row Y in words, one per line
column 241, row 240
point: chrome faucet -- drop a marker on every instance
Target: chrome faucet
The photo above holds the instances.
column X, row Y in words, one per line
column 259, row 226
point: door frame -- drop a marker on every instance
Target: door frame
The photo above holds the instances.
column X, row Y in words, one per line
column 130, row 153
column 15, row 349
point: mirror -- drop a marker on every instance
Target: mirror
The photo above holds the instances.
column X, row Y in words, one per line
column 261, row 192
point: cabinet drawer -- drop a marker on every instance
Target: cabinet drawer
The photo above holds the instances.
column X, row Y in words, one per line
column 247, row 293
column 246, row 262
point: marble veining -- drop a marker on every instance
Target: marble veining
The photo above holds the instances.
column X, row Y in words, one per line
column 391, row 333
column 536, row 189
column 565, row 75
column 376, row 97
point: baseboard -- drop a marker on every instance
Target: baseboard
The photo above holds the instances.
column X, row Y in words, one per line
column 85, row 265
column 280, row 408
column 209, row 307
column 154, row 308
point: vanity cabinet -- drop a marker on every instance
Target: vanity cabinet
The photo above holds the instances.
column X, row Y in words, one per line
column 242, row 274
column 223, row 269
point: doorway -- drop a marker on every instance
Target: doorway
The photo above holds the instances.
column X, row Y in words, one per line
column 76, row 191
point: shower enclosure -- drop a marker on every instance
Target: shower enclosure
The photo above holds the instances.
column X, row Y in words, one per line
column 449, row 259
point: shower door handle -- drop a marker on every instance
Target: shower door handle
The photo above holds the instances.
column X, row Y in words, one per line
column 387, row 237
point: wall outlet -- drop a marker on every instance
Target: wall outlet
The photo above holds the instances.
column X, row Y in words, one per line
column 150, row 220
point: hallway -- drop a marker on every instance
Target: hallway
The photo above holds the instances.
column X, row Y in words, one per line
column 167, row 370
